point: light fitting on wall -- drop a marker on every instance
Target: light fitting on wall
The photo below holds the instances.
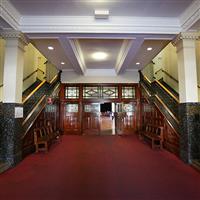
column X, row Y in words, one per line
column 62, row 63
column 137, row 63
column 99, row 55
column 101, row 14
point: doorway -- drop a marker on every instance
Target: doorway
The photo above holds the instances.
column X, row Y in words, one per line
column 107, row 122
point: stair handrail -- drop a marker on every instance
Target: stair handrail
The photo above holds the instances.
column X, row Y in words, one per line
column 165, row 106
column 169, row 75
column 40, row 70
column 53, row 79
column 35, row 90
column 31, row 74
column 170, row 93
column 33, row 110
column 164, row 88
column 30, row 114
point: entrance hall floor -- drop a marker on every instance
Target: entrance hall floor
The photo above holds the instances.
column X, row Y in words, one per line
column 101, row 168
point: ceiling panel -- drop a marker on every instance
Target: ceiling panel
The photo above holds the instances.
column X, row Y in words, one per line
column 139, row 8
column 143, row 56
column 109, row 46
column 56, row 56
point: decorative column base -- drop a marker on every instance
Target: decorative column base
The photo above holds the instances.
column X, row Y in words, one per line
column 189, row 115
column 10, row 134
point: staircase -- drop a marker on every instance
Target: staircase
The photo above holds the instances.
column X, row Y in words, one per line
column 164, row 98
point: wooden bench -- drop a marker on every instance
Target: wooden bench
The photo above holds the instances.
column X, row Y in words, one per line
column 155, row 134
column 44, row 137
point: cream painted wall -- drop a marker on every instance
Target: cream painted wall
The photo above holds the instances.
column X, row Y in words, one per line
column 198, row 65
column 51, row 71
column 127, row 77
column 41, row 60
column 2, row 52
column 33, row 60
column 167, row 60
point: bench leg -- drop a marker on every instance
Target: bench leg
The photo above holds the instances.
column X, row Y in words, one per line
column 152, row 143
column 36, row 148
column 161, row 145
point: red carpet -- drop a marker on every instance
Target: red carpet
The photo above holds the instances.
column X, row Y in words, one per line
column 101, row 168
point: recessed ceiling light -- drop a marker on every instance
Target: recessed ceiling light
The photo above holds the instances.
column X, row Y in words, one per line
column 137, row 63
column 149, row 48
column 50, row 48
column 62, row 63
column 99, row 55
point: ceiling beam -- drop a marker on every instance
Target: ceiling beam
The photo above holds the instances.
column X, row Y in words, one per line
column 127, row 53
column 72, row 54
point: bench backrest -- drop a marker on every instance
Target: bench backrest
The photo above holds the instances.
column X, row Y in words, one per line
column 157, row 130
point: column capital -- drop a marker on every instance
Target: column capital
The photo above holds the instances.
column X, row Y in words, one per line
column 185, row 36
column 13, row 34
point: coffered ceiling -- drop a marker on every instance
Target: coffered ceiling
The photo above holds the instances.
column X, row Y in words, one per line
column 81, row 42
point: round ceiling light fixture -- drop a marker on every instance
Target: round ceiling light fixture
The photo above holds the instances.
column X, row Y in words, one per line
column 137, row 63
column 149, row 48
column 99, row 55
column 62, row 63
column 50, row 48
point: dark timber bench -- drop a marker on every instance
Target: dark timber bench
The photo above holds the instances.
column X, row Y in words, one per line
column 44, row 137
column 155, row 134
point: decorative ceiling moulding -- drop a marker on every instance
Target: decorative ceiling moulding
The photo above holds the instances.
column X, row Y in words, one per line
column 78, row 53
column 70, row 54
column 130, row 54
column 186, row 36
column 190, row 16
column 124, row 36
column 59, row 24
column 13, row 34
column 10, row 14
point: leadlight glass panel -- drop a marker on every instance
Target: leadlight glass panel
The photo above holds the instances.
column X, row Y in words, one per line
column 128, row 92
column 91, row 92
column 72, row 92
column 129, row 107
column 109, row 92
column 94, row 107
column 72, row 108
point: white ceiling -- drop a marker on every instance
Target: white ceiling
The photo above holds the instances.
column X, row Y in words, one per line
column 137, row 8
column 109, row 46
column 70, row 26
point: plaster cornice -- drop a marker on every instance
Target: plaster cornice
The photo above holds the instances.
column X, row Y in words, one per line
column 10, row 14
column 185, row 36
column 190, row 16
column 14, row 34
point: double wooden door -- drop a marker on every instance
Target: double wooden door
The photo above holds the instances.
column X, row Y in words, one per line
column 91, row 119
column 125, row 118
column 85, row 118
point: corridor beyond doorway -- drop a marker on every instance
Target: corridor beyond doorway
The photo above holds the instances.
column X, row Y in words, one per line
column 101, row 168
column 107, row 122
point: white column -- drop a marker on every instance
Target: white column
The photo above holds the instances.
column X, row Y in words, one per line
column 187, row 67
column 13, row 66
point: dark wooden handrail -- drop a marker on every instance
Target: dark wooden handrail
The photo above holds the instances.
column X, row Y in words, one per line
column 35, row 90
column 40, row 70
column 169, row 75
column 31, row 74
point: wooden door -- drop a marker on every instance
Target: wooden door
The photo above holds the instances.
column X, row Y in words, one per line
column 72, row 124
column 91, row 119
column 125, row 118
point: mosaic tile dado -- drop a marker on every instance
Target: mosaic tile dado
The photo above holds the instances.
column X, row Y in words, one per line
column 10, row 134
column 189, row 114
